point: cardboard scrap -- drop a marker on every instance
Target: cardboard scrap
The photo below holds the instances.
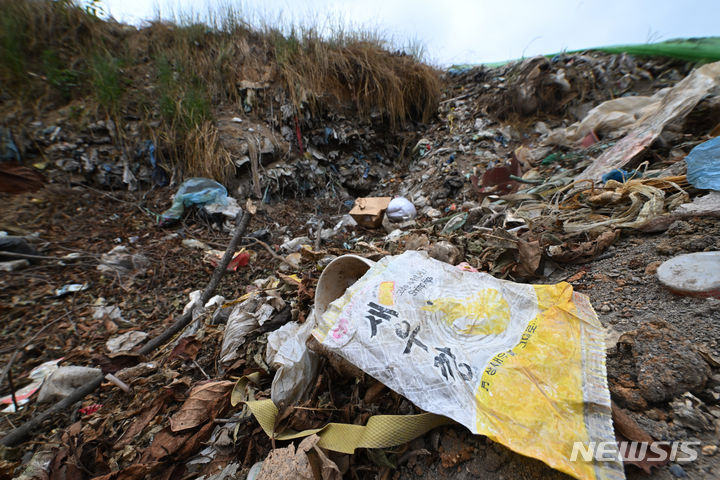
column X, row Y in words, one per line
column 368, row 212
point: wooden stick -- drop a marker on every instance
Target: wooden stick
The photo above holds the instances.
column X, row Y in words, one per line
column 184, row 320
column 12, row 391
column 20, row 433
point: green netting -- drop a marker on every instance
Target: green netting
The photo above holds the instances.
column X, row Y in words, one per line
column 705, row 49
column 702, row 50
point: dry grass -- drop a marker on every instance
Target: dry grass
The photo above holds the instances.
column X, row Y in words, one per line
column 181, row 72
column 44, row 43
column 394, row 85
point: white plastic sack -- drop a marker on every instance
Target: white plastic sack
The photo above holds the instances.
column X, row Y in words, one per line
column 521, row 364
column 296, row 365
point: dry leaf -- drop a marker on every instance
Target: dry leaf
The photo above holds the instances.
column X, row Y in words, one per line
column 250, row 207
column 133, row 472
column 626, row 429
column 204, row 403
column 582, row 252
column 164, row 445
column 529, row 257
column 187, row 349
column 142, row 420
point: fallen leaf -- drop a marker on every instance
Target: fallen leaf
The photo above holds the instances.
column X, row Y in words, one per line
column 125, row 342
column 328, row 469
column 627, row 430
column 529, row 255
column 577, row 276
column 117, row 361
column 164, row 445
column 194, row 443
column 62, row 468
column 110, row 326
column 582, row 252
column 137, row 471
column 204, row 403
column 142, row 420
column 187, row 349
column 376, row 389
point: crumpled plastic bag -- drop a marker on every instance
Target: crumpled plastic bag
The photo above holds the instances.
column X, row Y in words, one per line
column 194, row 191
column 296, row 366
column 703, row 165
column 675, row 105
column 521, row 364
column 400, row 209
column 63, row 381
column 611, row 118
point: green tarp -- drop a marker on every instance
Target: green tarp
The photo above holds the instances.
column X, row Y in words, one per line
column 703, row 50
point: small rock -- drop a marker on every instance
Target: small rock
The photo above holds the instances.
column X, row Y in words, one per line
column 709, row 450
column 629, row 398
column 445, row 252
column 687, row 416
column 432, row 212
column 680, row 227
column 666, row 247
column 665, row 361
column 677, row 471
column 605, row 308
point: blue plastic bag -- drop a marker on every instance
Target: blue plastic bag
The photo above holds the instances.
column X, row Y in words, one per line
column 703, row 165
column 621, row 176
column 194, row 191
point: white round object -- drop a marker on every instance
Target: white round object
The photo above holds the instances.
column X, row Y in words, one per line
column 692, row 274
column 400, row 209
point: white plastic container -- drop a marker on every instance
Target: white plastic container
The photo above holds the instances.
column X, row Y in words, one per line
column 695, row 274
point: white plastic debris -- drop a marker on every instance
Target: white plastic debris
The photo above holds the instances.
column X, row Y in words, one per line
column 197, row 310
column 192, row 243
column 296, row 365
column 125, row 342
column 111, row 312
column 22, row 395
column 696, row 274
column 295, row 244
column 64, row 380
column 71, row 288
column 229, row 208
column 119, row 261
column 345, row 221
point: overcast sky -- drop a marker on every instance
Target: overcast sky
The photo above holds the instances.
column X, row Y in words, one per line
column 467, row 31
